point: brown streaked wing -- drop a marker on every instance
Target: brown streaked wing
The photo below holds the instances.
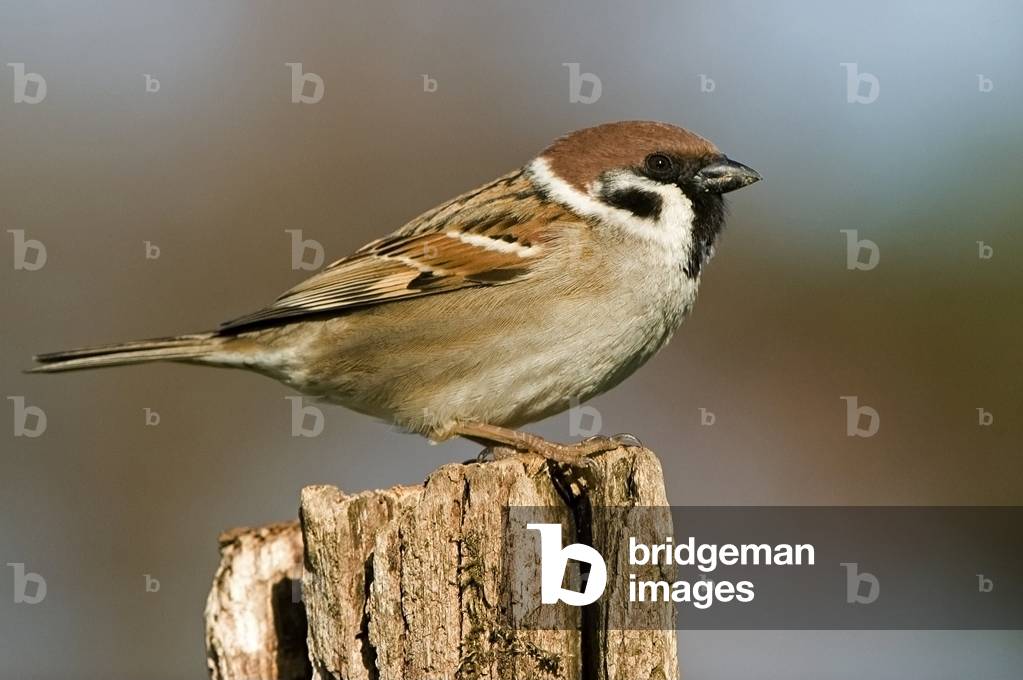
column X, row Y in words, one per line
column 492, row 236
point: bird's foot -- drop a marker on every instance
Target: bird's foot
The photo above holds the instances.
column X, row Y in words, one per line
column 503, row 442
column 568, row 453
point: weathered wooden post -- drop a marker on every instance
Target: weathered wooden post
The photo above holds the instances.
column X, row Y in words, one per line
column 412, row 583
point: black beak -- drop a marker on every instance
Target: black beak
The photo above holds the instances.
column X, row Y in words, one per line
column 723, row 175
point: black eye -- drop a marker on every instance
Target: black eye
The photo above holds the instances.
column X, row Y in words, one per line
column 659, row 164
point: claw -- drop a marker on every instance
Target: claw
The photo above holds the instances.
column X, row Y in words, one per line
column 627, row 440
column 485, row 455
column 492, row 453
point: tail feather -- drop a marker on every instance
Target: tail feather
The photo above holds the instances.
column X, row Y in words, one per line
column 180, row 348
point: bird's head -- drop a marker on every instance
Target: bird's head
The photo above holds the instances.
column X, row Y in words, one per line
column 658, row 181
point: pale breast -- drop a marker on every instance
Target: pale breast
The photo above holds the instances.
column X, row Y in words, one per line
column 505, row 355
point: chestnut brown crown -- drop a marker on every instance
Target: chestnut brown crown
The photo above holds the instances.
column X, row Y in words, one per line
column 582, row 156
column 658, row 151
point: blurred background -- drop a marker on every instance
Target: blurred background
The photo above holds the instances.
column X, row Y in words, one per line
column 215, row 165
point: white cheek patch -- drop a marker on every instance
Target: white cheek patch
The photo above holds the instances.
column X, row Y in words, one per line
column 675, row 218
column 672, row 229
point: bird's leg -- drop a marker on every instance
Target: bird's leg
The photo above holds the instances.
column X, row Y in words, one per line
column 504, row 442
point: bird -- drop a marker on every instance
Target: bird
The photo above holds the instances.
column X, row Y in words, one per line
column 505, row 305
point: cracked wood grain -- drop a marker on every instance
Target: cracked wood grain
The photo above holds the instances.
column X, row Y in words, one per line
column 255, row 623
column 426, row 582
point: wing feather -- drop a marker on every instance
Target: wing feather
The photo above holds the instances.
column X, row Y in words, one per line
column 494, row 235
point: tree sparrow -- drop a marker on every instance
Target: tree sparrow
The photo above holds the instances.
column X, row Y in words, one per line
column 503, row 306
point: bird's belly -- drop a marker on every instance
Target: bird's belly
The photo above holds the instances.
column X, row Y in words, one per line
column 510, row 382
column 487, row 365
column 473, row 356
column 534, row 380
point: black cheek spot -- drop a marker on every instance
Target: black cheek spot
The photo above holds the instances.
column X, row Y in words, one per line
column 645, row 204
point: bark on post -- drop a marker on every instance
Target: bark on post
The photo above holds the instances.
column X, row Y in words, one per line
column 412, row 583
column 255, row 622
